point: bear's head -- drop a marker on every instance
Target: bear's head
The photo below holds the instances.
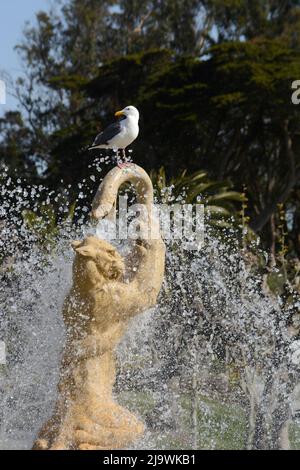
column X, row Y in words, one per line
column 108, row 261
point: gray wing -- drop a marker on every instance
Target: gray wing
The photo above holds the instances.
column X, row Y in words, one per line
column 104, row 137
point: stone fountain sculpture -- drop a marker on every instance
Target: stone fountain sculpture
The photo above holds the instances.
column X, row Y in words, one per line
column 96, row 314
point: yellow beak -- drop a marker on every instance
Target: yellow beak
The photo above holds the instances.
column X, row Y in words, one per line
column 119, row 113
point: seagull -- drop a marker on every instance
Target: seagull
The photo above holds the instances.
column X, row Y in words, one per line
column 119, row 134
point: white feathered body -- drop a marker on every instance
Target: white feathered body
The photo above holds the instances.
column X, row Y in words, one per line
column 129, row 132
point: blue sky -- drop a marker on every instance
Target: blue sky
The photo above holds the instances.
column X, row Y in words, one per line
column 13, row 15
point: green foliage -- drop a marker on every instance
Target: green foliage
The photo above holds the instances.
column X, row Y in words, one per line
column 295, row 436
column 43, row 223
column 276, row 281
column 227, row 424
column 226, row 427
column 255, row 18
column 221, row 203
column 212, row 80
column 16, row 146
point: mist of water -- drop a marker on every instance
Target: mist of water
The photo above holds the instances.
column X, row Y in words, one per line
column 215, row 365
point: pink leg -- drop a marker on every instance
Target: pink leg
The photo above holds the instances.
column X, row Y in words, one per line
column 124, row 165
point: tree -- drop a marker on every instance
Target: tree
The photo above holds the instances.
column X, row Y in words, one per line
column 250, row 19
column 16, row 146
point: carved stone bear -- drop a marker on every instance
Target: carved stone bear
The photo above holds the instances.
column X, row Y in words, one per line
column 96, row 312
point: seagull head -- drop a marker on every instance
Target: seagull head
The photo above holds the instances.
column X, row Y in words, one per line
column 128, row 112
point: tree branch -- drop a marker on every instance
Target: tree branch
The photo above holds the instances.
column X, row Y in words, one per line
column 291, row 179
